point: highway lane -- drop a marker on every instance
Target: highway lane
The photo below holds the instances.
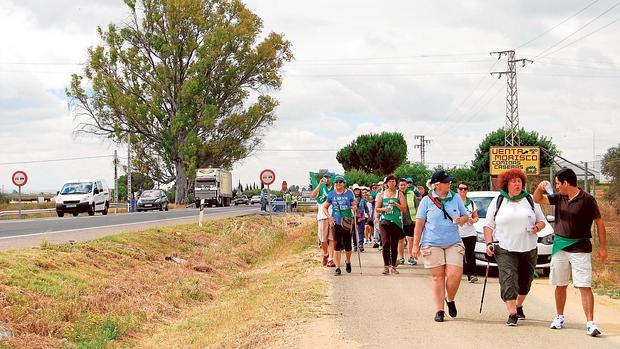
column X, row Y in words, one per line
column 32, row 232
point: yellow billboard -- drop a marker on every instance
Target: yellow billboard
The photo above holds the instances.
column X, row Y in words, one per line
column 525, row 158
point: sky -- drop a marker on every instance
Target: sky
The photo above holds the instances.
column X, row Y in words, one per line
column 415, row 67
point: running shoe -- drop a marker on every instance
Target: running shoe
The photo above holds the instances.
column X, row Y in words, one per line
column 324, row 262
column 401, row 261
column 520, row 313
column 512, row 320
column 557, row 323
column 439, row 316
column 348, row 267
column 473, row 278
column 411, row 261
column 394, row 271
column 451, row 308
column 361, row 248
column 337, row 272
column 592, row 329
column 331, row 264
column 386, row 271
column 376, row 245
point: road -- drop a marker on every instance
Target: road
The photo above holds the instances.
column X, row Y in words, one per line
column 396, row 311
column 32, row 232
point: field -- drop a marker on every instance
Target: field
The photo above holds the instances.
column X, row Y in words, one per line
column 169, row 287
column 607, row 276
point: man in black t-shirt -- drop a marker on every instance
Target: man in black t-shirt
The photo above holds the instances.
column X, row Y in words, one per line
column 575, row 210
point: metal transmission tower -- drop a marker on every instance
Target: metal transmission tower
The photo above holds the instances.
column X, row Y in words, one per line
column 512, row 102
column 422, row 145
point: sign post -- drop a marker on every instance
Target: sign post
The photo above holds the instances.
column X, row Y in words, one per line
column 19, row 178
column 267, row 177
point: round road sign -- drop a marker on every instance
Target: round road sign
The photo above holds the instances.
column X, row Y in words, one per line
column 20, row 178
column 267, row 177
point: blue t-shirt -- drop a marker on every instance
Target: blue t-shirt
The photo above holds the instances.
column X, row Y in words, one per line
column 342, row 204
column 438, row 230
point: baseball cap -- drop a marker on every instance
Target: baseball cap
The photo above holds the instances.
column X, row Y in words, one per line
column 338, row 178
column 441, row 177
column 409, row 180
column 355, row 186
column 327, row 174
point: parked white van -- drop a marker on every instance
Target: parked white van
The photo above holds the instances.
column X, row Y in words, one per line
column 83, row 196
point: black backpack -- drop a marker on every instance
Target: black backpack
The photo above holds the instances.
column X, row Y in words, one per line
column 500, row 199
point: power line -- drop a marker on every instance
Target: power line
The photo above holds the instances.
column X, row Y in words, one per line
column 383, row 75
column 557, row 25
column 421, row 56
column 55, row 160
column 390, row 63
column 578, row 30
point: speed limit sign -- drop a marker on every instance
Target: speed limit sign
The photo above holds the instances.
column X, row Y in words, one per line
column 20, row 178
column 267, row 177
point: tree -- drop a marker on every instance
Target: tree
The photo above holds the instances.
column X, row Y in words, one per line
column 177, row 78
column 378, row 154
column 496, row 138
column 361, row 178
column 139, row 182
column 610, row 166
column 417, row 171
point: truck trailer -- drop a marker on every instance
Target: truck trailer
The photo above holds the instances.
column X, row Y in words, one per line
column 214, row 185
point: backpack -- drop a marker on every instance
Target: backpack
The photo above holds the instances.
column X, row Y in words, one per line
column 500, row 199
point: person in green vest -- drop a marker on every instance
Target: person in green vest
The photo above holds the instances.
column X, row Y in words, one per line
column 390, row 204
column 289, row 200
column 411, row 194
column 325, row 231
column 571, row 255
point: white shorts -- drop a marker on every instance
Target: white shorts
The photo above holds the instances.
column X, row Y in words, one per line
column 563, row 264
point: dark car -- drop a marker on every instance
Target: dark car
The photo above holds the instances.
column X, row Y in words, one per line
column 153, row 200
column 242, row 199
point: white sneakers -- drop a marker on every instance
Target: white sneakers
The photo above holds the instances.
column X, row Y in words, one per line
column 591, row 328
column 557, row 323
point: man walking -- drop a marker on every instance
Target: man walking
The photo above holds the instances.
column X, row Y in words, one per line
column 325, row 231
column 575, row 210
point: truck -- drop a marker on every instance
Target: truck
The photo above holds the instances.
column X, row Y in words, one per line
column 214, row 185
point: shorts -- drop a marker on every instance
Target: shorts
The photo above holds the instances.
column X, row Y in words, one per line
column 516, row 272
column 325, row 231
column 578, row 264
column 408, row 229
column 342, row 239
column 435, row 256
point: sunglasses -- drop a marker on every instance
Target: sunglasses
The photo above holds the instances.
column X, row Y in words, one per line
column 339, row 182
column 463, row 188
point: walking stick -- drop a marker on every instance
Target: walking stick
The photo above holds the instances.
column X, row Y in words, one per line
column 359, row 257
column 486, row 277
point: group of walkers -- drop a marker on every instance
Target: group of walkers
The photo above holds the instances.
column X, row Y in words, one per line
column 438, row 226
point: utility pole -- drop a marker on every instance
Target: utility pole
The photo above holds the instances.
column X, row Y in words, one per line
column 422, row 145
column 115, row 176
column 129, row 190
column 511, row 138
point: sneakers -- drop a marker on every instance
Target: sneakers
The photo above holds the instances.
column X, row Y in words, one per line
column 376, row 245
column 439, row 316
column 451, row 308
column 331, row 264
column 348, row 267
column 386, row 271
column 411, row 261
column 512, row 320
column 557, row 323
column 472, row 279
column 592, row 329
column 324, row 262
column 520, row 313
column 394, row 271
column 361, row 248
column 337, row 272
column 401, row 261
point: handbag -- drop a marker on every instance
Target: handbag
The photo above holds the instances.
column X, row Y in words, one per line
column 347, row 223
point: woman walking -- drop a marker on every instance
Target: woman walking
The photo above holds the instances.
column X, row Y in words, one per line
column 514, row 221
column 389, row 204
column 468, row 232
column 437, row 237
column 342, row 220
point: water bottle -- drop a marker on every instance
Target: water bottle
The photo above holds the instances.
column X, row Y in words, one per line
column 549, row 188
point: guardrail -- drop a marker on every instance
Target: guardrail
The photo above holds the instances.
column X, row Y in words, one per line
column 36, row 211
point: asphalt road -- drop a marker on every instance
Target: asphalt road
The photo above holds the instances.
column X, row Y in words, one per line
column 396, row 311
column 32, row 232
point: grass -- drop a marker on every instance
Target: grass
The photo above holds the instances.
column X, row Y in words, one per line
column 120, row 290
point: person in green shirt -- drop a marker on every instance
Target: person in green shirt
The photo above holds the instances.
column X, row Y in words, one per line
column 390, row 204
column 324, row 231
column 289, row 200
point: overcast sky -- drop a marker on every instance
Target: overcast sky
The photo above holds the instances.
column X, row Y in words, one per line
column 416, row 67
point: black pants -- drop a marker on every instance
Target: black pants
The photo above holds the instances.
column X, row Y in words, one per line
column 342, row 238
column 469, row 264
column 516, row 272
column 390, row 234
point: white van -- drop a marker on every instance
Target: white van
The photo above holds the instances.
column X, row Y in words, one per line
column 83, row 196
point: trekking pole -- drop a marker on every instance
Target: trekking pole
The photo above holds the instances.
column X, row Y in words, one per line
column 359, row 257
column 486, row 277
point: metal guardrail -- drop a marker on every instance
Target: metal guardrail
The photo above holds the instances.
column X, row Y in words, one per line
column 36, row 211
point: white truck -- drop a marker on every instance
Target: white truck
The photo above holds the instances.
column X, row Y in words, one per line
column 214, row 185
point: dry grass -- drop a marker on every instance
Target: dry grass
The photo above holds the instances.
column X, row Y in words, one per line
column 606, row 278
column 119, row 289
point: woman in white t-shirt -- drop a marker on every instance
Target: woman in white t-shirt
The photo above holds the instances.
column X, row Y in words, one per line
column 468, row 232
column 516, row 220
